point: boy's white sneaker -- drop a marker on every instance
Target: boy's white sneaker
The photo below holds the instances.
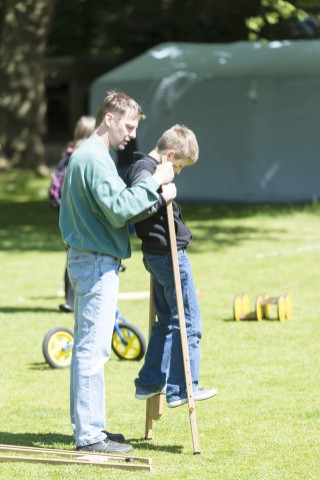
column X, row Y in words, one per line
column 199, row 394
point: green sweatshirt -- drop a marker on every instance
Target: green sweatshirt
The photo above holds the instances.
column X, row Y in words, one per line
column 96, row 204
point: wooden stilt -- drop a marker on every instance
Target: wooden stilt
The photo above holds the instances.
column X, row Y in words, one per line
column 67, row 457
column 154, row 407
column 183, row 330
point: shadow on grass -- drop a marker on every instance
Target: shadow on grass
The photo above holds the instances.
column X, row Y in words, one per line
column 206, row 223
column 228, row 320
column 41, row 366
column 48, row 297
column 29, row 226
column 33, row 225
column 148, row 445
column 27, row 309
column 52, row 440
column 35, row 439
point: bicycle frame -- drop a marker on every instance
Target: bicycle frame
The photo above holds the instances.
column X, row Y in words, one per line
column 69, row 346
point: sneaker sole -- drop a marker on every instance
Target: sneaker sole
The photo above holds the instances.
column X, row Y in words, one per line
column 110, row 450
column 198, row 398
column 127, row 450
column 146, row 397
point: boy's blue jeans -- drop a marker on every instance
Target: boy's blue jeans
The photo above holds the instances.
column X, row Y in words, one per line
column 94, row 278
column 163, row 365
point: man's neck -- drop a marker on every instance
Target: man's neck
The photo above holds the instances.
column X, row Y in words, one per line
column 102, row 138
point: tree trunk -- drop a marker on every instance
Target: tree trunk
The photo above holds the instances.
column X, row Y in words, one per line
column 23, row 36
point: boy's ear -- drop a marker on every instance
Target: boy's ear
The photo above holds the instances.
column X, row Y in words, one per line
column 171, row 154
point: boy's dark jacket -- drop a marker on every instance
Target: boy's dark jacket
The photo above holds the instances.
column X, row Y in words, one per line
column 154, row 230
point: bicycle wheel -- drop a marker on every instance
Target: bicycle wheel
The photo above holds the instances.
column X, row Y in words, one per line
column 128, row 342
column 57, row 347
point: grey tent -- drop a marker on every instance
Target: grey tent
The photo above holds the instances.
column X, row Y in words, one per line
column 254, row 108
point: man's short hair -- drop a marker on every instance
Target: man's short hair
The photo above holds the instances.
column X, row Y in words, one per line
column 118, row 102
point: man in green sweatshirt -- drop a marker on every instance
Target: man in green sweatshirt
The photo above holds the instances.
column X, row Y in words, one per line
column 95, row 208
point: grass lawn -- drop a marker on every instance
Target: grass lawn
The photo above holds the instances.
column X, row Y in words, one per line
column 264, row 422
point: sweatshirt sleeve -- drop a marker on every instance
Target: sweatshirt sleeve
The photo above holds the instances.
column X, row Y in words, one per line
column 133, row 177
column 114, row 201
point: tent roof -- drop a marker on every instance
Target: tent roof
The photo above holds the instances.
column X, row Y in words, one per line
column 207, row 60
column 253, row 107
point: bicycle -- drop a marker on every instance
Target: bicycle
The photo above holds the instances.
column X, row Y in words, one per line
column 128, row 343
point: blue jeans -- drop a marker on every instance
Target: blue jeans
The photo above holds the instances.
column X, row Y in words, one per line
column 163, row 366
column 94, row 278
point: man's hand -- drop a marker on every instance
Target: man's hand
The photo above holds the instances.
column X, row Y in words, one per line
column 164, row 173
column 169, row 192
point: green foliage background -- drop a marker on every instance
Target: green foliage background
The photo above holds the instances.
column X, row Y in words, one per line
column 121, row 31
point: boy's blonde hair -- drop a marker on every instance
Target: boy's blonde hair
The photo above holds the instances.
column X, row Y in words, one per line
column 118, row 102
column 182, row 140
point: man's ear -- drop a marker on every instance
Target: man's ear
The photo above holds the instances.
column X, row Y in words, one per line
column 108, row 118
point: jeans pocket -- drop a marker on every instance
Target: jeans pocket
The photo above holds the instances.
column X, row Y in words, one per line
column 81, row 274
column 157, row 263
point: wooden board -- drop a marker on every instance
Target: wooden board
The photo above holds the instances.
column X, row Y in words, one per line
column 66, row 457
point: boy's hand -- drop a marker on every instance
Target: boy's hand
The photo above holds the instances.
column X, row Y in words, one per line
column 164, row 173
column 169, row 192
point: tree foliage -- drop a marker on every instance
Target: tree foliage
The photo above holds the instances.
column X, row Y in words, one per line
column 24, row 29
column 280, row 19
column 122, row 30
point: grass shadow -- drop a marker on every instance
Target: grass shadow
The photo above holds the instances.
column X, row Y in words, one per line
column 52, row 440
column 40, row 366
column 30, row 225
column 144, row 444
column 33, row 225
column 27, row 309
column 35, row 439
